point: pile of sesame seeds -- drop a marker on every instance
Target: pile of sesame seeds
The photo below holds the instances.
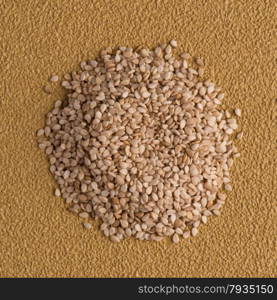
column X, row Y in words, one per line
column 141, row 144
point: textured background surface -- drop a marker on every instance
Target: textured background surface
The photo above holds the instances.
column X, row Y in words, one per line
column 38, row 237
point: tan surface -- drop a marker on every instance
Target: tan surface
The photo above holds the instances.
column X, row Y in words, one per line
column 38, row 237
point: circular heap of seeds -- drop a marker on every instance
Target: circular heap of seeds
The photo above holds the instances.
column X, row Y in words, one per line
column 140, row 144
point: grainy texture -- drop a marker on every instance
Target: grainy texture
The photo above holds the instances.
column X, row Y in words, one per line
column 235, row 39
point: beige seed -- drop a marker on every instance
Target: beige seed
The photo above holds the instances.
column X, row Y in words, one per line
column 199, row 61
column 173, row 43
column 54, row 78
column 216, row 212
column 40, row 132
column 204, row 219
column 144, row 52
column 221, row 148
column 87, row 225
column 146, row 94
column 221, row 196
column 237, row 112
column 186, row 234
column 47, row 89
column 186, row 56
column 83, row 187
column 82, row 198
column 149, row 190
column 102, row 139
column 124, row 223
column 66, row 174
column 228, row 187
column 120, row 180
column 193, row 170
column 114, row 239
column 57, row 193
column 147, row 178
column 182, row 124
column 229, row 130
column 194, row 231
column 83, row 215
column 220, row 96
column 67, row 76
column 239, row 135
column 178, row 230
column 175, row 238
column 201, row 74
column 204, row 202
column 141, row 144
column 65, row 84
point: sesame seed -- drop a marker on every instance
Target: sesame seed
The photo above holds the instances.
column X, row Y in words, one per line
column 54, row 78
column 175, row 238
column 194, row 231
column 239, row 135
column 57, row 193
column 47, row 89
column 237, row 112
column 173, row 43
